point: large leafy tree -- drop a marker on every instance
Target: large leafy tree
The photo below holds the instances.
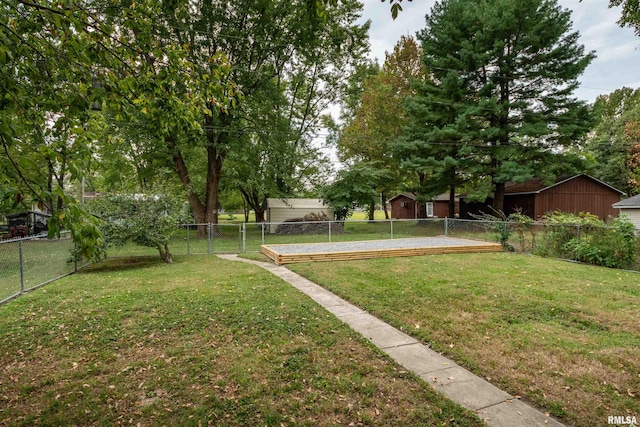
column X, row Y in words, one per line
column 502, row 77
column 291, row 66
column 274, row 165
column 176, row 69
column 48, row 54
column 630, row 16
column 615, row 141
column 354, row 187
column 379, row 119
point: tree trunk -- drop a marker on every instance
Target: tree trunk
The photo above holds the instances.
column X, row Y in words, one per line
column 245, row 209
column 214, row 173
column 197, row 208
column 372, row 211
column 384, row 206
column 165, row 255
column 207, row 212
column 253, row 201
column 262, row 208
column 260, row 215
column 498, row 197
column 216, row 140
column 452, row 201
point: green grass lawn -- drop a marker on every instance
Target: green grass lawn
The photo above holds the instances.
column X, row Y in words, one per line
column 563, row 336
column 200, row 342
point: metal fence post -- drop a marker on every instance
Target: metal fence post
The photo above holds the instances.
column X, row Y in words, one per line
column 244, row 237
column 262, row 224
column 329, row 231
column 446, row 226
column 21, row 266
column 208, row 238
column 391, row 225
column 188, row 232
column 75, row 256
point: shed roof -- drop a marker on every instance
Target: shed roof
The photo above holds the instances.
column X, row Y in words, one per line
column 537, row 185
column 631, row 202
column 411, row 196
column 444, row 197
column 294, row 203
column 19, row 214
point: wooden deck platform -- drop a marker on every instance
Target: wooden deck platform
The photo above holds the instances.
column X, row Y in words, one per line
column 310, row 252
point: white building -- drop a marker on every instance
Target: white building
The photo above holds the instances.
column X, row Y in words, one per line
column 631, row 208
column 280, row 210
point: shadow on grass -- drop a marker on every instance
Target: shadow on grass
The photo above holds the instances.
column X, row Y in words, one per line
column 256, row 256
column 122, row 264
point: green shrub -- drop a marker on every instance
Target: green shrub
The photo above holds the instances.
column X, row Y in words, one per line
column 523, row 226
column 586, row 238
column 562, row 227
column 146, row 220
column 615, row 246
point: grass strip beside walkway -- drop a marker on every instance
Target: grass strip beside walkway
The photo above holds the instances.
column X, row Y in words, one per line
column 199, row 342
column 563, row 336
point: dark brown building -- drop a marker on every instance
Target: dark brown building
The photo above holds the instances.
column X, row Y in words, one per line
column 404, row 206
column 534, row 198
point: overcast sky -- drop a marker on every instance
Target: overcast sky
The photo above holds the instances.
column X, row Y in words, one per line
column 617, row 49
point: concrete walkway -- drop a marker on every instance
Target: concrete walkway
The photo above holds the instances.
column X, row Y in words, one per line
column 496, row 407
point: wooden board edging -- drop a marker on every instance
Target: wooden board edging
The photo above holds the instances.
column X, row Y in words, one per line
column 280, row 259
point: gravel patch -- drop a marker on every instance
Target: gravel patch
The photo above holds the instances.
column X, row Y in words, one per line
column 372, row 245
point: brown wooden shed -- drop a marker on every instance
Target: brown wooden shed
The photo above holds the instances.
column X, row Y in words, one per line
column 441, row 205
column 534, row 198
column 404, row 206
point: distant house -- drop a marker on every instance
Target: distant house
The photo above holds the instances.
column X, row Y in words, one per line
column 534, row 198
column 405, row 206
column 631, row 208
column 28, row 223
column 280, row 210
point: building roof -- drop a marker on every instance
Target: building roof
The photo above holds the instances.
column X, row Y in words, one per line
column 537, row 185
column 21, row 214
column 631, row 202
column 444, row 197
column 411, row 196
column 294, row 203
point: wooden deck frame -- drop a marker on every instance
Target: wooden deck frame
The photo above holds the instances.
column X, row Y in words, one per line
column 473, row 247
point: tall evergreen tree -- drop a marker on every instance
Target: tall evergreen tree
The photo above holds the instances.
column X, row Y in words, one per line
column 432, row 145
column 502, row 77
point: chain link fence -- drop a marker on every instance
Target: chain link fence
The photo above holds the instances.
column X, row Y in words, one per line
column 616, row 246
column 536, row 237
column 31, row 262
column 28, row 263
